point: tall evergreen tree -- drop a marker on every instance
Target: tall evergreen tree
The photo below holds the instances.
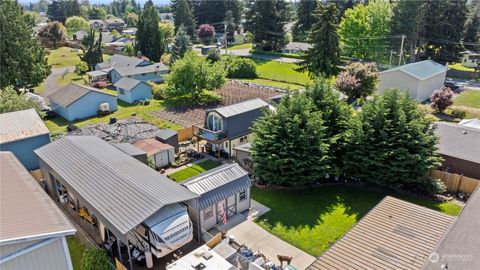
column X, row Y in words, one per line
column 148, row 34
column 92, row 49
column 22, row 61
column 290, row 146
column 266, row 22
column 305, row 19
column 61, row 10
column 324, row 57
column 183, row 15
column 181, row 44
column 230, row 22
column 394, row 144
column 472, row 31
column 213, row 12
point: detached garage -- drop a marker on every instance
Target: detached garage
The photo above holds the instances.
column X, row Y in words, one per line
column 420, row 79
column 162, row 153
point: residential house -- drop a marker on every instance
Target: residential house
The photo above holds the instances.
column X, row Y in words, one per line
column 117, row 61
column 419, row 79
column 296, row 47
column 162, row 153
column 155, row 73
column 223, row 192
column 97, row 24
column 21, row 133
column 168, row 136
column 470, row 59
column 114, row 24
column 227, row 127
column 118, row 45
column 133, row 151
column 33, row 230
column 74, row 101
column 120, row 198
column 131, row 90
column 395, row 234
column 129, row 31
column 459, row 146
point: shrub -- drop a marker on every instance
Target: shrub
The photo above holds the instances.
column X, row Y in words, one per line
column 81, row 68
column 213, row 56
column 431, row 186
column 366, row 76
column 166, row 57
column 158, row 90
column 457, row 113
column 206, row 33
column 441, row 99
column 241, row 68
column 95, row 259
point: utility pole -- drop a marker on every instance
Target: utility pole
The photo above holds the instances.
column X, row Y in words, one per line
column 225, row 36
column 401, row 51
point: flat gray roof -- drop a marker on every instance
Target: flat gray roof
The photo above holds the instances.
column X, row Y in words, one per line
column 134, row 70
column 19, row 125
column 68, row 94
column 130, row 149
column 26, row 211
column 458, row 141
column 244, row 147
column 122, row 189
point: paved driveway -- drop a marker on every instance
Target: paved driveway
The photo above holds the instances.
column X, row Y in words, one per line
column 51, row 83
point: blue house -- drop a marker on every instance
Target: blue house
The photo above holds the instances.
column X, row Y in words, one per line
column 131, row 90
column 74, row 101
column 155, row 73
column 22, row 132
column 116, row 61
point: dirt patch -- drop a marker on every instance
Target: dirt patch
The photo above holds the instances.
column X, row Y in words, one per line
column 232, row 93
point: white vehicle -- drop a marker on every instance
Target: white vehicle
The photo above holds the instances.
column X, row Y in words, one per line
column 164, row 232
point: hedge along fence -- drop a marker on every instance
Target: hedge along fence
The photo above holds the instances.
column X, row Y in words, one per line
column 455, row 182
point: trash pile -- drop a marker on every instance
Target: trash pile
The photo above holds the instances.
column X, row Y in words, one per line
column 246, row 257
column 123, row 131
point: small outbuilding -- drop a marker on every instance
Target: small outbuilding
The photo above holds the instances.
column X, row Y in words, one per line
column 168, row 136
column 223, row 193
column 420, row 79
column 242, row 154
column 162, row 153
column 21, row 133
column 131, row 90
column 74, row 101
column 133, row 151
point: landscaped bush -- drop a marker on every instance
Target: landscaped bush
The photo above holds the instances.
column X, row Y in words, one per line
column 457, row 113
column 158, row 90
column 441, row 99
column 81, row 68
column 240, row 68
column 431, row 186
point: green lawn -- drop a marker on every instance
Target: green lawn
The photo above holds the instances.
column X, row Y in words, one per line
column 282, row 85
column 314, row 219
column 76, row 249
column 241, row 46
column 124, row 111
column 281, row 72
column 65, row 57
column 459, row 66
column 469, row 98
column 194, row 170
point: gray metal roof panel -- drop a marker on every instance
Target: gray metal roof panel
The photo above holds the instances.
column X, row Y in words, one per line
column 118, row 61
column 240, row 108
column 165, row 133
column 458, row 141
column 130, row 149
column 68, row 94
column 127, row 83
column 19, row 125
column 421, row 70
column 121, row 188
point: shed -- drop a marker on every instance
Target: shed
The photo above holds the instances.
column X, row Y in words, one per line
column 223, row 192
column 395, row 234
column 74, row 101
column 162, row 153
column 469, row 59
column 133, row 151
column 242, row 154
column 420, row 79
column 33, row 229
column 131, row 90
column 168, row 136
column 22, row 132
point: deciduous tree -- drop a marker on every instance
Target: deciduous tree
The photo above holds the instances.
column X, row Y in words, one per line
column 76, row 23
column 52, row 34
column 441, row 99
column 358, row 80
column 206, row 33
column 11, row 101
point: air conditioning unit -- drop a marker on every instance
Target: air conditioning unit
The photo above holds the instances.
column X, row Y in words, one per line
column 104, row 107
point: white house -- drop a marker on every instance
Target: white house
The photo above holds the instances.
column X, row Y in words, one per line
column 420, row 79
column 469, row 59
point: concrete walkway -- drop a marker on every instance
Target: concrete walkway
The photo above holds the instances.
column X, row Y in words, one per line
column 258, row 239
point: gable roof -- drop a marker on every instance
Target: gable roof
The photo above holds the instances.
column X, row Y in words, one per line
column 152, row 146
column 134, row 70
column 118, row 60
column 130, row 149
column 395, row 234
column 458, row 141
column 68, row 94
column 127, row 83
column 421, row 70
column 240, row 108
column 20, row 125
column 218, row 183
column 27, row 212
column 119, row 187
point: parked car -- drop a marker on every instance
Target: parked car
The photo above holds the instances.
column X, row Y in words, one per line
column 452, row 85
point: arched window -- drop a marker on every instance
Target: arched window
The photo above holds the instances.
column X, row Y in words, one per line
column 214, row 122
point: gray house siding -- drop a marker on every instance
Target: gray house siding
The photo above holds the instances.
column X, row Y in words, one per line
column 23, row 149
column 461, row 166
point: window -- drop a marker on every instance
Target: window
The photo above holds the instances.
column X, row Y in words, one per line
column 214, row 122
column 144, row 74
column 208, row 213
column 243, row 195
column 241, row 139
column 121, row 91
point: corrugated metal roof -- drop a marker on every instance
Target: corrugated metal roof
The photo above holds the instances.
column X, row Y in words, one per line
column 241, row 107
column 119, row 187
column 26, row 210
column 68, row 94
column 395, row 234
column 458, row 141
column 152, row 146
column 125, row 71
column 127, row 83
column 20, row 125
column 130, row 149
column 218, row 184
column 421, row 70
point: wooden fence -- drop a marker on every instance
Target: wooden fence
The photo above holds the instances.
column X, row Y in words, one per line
column 455, row 182
column 185, row 134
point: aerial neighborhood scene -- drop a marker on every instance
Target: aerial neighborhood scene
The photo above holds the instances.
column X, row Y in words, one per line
column 239, row 134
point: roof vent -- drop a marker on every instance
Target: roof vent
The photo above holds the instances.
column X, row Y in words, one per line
column 464, row 132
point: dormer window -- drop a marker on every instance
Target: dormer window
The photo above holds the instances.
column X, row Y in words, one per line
column 214, row 122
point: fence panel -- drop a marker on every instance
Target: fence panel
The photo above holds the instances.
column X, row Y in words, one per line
column 455, row 182
column 185, row 134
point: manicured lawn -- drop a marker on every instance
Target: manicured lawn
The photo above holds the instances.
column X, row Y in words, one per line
column 241, row 46
column 65, row 57
column 282, row 85
column 194, row 170
column 72, row 77
column 459, row 66
column 281, row 72
column 469, row 98
column 76, row 249
column 124, row 111
column 314, row 219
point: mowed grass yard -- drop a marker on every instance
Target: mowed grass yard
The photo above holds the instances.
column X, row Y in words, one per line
column 76, row 248
column 469, row 98
column 66, row 57
column 194, row 170
column 314, row 219
column 281, row 72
